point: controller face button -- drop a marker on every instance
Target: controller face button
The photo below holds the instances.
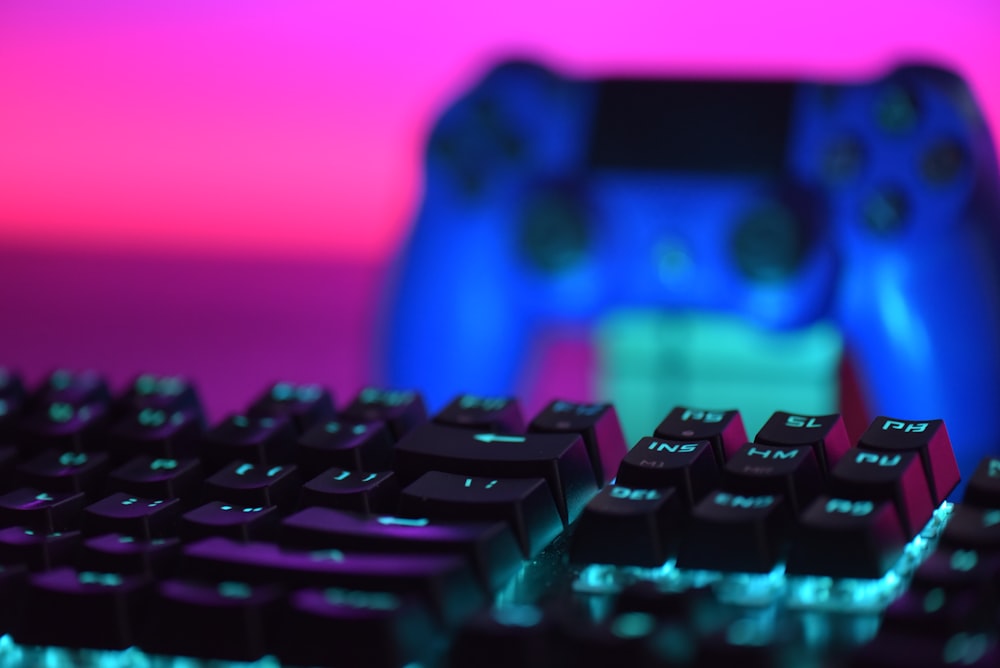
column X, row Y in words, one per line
column 842, row 160
column 885, row 211
column 896, row 109
column 553, row 233
column 942, row 162
column 769, row 243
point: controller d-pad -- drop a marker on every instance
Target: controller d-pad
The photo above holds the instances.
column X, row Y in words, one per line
column 769, row 242
column 553, row 233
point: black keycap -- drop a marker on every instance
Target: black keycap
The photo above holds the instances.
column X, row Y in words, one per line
column 246, row 484
column 78, row 388
column 559, row 458
column 489, row 547
column 38, row 550
column 498, row 414
column 12, row 400
column 157, row 432
column 9, row 458
column 13, row 580
column 351, row 490
column 598, row 425
column 524, row 503
column 885, row 476
column 734, row 532
column 242, row 523
column 825, row 434
column 401, row 410
column 69, row 471
column 62, row 426
column 357, row 446
column 791, row 472
column 628, row 526
column 303, row 405
column 227, row 620
column 169, row 393
column 384, row 630
column 42, row 511
column 846, row 538
column 158, row 478
column 119, row 553
column 131, row 515
column 266, row 441
column 929, row 439
column 689, row 467
column 83, row 609
column 973, row 528
column 983, row 488
column 513, row 635
column 446, row 583
column 723, row 429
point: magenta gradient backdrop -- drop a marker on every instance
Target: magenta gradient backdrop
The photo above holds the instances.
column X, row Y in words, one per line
column 179, row 176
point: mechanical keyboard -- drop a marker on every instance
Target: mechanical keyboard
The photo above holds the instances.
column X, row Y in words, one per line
column 303, row 533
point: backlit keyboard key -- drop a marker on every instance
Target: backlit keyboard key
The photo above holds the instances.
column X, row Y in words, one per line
column 246, row 484
column 401, row 410
column 735, row 532
column 825, row 434
column 158, row 478
column 881, row 476
column 723, row 429
column 497, row 414
column 358, row 446
column 131, row 515
column 791, row 472
column 489, row 547
column 84, row 609
column 846, row 538
column 525, row 504
column 228, row 619
column 628, row 526
column 266, row 441
column 928, row 438
column 240, row 523
column 446, row 583
column 38, row 550
column 561, row 459
column 67, row 471
column 598, row 425
column 352, row 490
column 43, row 511
column 120, row 553
column 379, row 629
column 688, row 466
column 303, row 405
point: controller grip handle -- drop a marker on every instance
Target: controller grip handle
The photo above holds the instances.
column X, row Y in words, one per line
column 455, row 326
column 923, row 325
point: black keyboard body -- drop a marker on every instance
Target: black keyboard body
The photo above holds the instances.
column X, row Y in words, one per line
column 303, row 533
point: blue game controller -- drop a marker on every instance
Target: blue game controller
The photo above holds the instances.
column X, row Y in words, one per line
column 872, row 205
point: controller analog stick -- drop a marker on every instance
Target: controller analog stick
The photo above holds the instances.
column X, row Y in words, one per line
column 769, row 242
column 553, row 233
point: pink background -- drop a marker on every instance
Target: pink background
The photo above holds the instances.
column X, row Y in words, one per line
column 217, row 186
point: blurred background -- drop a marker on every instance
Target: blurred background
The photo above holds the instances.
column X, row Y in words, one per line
column 221, row 188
